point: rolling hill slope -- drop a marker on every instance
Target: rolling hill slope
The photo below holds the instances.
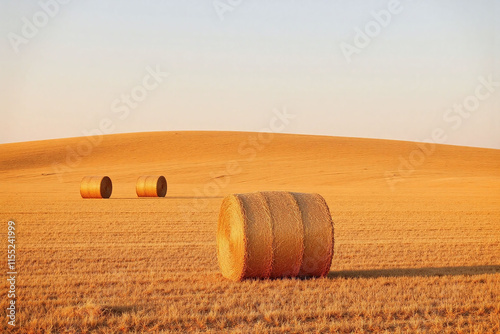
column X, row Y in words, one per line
column 417, row 231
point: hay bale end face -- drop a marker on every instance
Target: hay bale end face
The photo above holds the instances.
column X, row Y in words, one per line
column 96, row 187
column 273, row 235
column 151, row 186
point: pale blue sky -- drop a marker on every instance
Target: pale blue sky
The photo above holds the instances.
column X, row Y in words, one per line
column 230, row 74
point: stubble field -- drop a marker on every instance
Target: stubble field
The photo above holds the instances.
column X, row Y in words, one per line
column 418, row 251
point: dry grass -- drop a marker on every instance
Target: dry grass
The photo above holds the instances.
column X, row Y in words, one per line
column 425, row 258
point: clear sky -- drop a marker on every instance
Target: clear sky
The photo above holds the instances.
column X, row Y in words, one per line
column 376, row 69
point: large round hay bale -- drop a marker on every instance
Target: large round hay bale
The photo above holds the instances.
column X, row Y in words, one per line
column 318, row 235
column 96, row 187
column 151, row 186
column 288, row 234
column 274, row 234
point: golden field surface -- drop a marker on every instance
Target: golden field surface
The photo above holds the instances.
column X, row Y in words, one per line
column 417, row 243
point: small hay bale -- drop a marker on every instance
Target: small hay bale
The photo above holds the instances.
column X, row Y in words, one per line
column 151, row 186
column 274, row 235
column 96, row 187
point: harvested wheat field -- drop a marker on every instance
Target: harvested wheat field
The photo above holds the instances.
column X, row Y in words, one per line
column 416, row 249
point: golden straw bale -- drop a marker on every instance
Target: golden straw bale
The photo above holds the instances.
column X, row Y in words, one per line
column 273, row 235
column 318, row 234
column 288, row 234
column 245, row 247
column 151, row 186
column 96, row 187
